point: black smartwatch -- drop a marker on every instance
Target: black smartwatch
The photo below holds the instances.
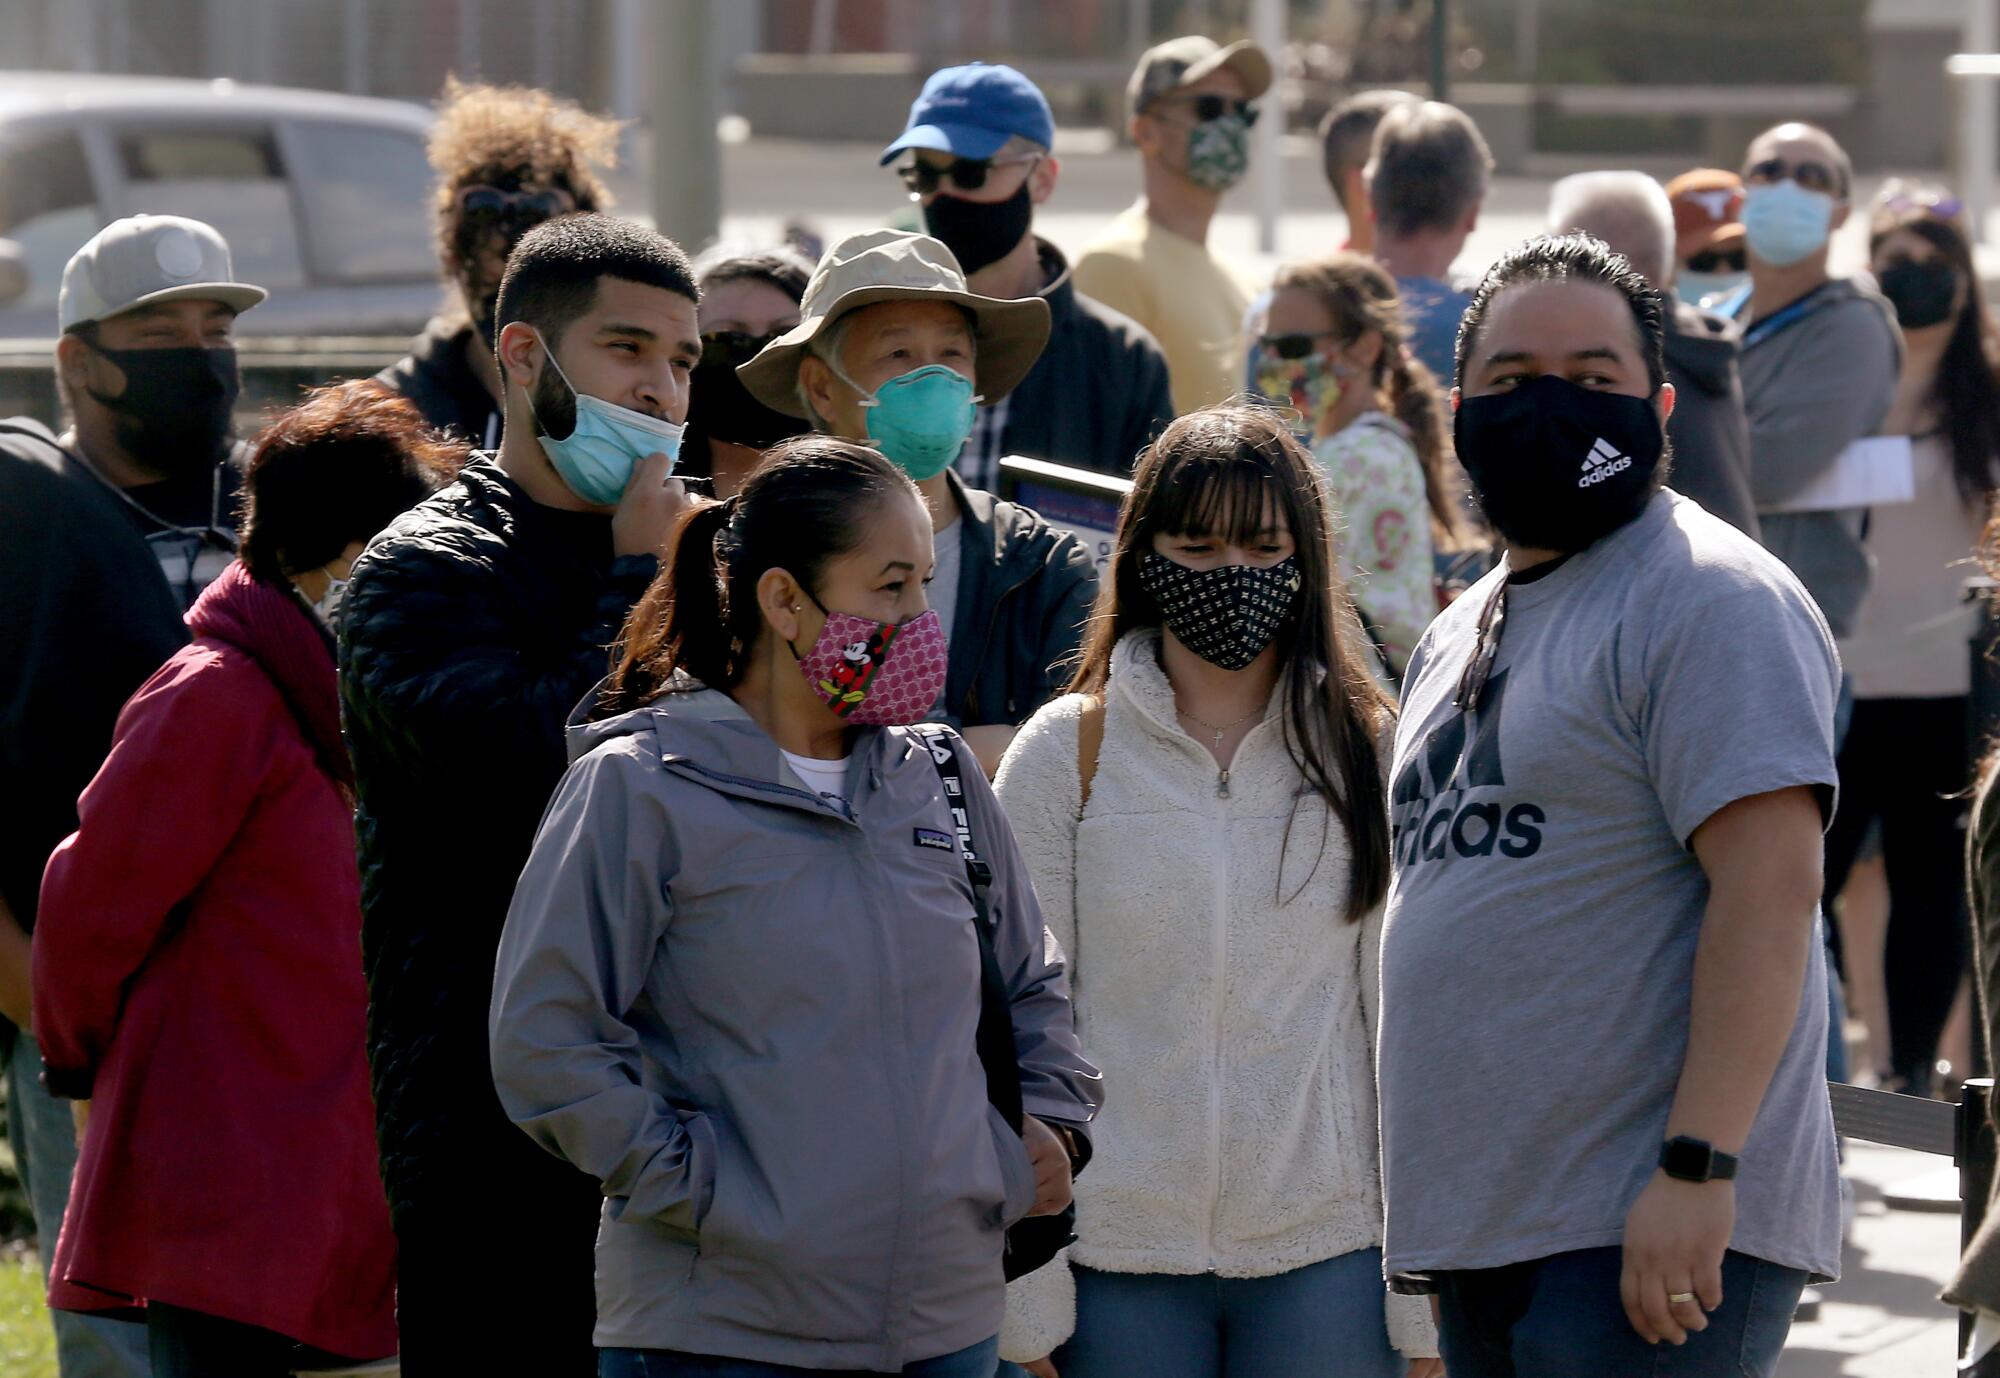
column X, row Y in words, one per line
column 1695, row 1160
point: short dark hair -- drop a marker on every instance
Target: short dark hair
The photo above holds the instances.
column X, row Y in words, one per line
column 1572, row 258
column 552, row 274
column 1348, row 132
column 337, row 468
column 1428, row 167
column 777, row 265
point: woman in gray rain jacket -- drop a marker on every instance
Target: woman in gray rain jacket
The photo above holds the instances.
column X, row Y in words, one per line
column 740, row 981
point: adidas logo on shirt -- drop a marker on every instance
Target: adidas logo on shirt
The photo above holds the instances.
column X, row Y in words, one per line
column 1601, row 463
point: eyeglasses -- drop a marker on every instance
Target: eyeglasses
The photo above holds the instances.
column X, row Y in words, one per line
column 732, row 347
column 1812, row 176
column 1292, row 346
column 1718, row 261
column 494, row 203
column 967, row 174
column 1212, row 107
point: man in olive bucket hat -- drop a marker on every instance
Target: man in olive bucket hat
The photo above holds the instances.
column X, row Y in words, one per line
column 893, row 351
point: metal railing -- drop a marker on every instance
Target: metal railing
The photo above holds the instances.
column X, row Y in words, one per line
column 1962, row 1132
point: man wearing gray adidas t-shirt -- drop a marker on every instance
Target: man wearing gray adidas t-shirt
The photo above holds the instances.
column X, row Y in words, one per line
column 1606, row 1136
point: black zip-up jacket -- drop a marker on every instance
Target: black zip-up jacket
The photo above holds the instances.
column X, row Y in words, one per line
column 470, row 629
column 435, row 376
column 1709, row 430
column 1098, row 394
column 85, row 619
column 1024, row 592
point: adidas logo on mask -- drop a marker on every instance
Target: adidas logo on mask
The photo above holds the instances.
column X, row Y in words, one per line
column 1601, row 463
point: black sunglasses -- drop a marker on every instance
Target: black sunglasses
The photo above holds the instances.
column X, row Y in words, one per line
column 732, row 347
column 967, row 174
column 1812, row 176
column 1718, row 261
column 1292, row 346
column 484, row 202
column 1213, row 107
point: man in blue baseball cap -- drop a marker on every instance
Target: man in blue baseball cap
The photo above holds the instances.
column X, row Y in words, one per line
column 976, row 157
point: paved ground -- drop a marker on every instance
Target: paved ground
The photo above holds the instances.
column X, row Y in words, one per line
column 1884, row 1319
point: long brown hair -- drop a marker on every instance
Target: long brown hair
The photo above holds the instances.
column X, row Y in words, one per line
column 808, row 503
column 1361, row 296
column 1214, row 472
column 1968, row 382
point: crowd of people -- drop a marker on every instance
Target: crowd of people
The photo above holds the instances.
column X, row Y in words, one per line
column 610, row 847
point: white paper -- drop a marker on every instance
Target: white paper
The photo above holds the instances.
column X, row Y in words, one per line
column 1872, row 472
column 1985, row 1334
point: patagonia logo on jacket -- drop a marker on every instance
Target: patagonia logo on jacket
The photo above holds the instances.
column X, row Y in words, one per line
column 931, row 837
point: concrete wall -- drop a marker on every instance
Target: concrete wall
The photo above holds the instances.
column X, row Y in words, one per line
column 843, row 96
column 1910, row 107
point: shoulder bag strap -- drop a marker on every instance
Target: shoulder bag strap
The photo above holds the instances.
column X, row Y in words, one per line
column 997, row 1054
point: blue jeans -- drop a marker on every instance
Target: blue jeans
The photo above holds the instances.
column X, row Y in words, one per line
column 1321, row 1319
column 979, row 1361
column 1561, row 1317
column 43, row 1133
column 191, row 1344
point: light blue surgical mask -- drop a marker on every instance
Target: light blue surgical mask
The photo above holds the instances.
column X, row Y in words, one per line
column 1786, row 223
column 1695, row 288
column 597, row 458
column 919, row 419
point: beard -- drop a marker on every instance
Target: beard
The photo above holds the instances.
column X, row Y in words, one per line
column 555, row 405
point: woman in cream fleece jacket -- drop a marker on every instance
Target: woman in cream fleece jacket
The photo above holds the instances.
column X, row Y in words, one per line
column 1218, row 895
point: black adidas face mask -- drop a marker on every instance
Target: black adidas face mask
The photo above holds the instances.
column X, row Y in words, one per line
column 1226, row 615
column 1556, row 466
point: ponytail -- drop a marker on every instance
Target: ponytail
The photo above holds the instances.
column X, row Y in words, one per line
column 1417, row 402
column 1361, row 296
column 808, row 503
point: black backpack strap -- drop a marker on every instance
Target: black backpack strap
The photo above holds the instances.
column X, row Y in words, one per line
column 997, row 1053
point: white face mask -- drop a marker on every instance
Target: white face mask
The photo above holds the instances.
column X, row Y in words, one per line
column 327, row 609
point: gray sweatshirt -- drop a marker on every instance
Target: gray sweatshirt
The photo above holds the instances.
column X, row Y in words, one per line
column 749, row 1011
column 1812, row 389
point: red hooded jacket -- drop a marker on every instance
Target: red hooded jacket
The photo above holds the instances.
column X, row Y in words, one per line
column 197, row 974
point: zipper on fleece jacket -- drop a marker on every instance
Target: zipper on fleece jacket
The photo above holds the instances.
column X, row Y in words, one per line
column 1220, row 976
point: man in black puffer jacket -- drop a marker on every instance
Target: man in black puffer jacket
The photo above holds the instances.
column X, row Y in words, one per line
column 471, row 628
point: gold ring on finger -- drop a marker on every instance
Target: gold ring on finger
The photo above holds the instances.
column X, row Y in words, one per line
column 1676, row 1298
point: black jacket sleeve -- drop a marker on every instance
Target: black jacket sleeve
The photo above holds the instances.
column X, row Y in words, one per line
column 85, row 618
column 441, row 676
column 1072, row 591
column 1150, row 400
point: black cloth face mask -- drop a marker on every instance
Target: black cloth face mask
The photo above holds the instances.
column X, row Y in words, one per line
column 1226, row 615
column 1556, row 466
column 979, row 232
column 174, row 415
column 1922, row 293
column 721, row 408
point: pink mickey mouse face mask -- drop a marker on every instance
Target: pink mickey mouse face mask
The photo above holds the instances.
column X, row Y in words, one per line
column 876, row 674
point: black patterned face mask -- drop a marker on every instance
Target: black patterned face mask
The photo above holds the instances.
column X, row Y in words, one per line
column 1226, row 615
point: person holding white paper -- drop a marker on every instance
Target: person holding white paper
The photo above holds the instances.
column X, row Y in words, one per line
column 1820, row 356
column 1906, row 760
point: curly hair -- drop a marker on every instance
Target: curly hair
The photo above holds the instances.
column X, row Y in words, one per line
column 338, row 467
column 515, row 136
